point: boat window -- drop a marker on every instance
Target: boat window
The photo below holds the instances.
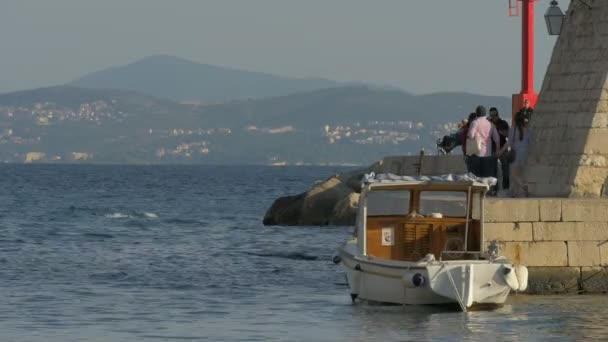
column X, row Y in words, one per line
column 443, row 203
column 381, row 203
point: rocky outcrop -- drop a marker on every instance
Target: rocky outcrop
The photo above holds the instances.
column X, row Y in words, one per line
column 345, row 211
column 330, row 202
column 320, row 201
column 285, row 211
column 335, row 200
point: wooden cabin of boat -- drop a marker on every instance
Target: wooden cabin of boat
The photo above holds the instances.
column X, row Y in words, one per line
column 406, row 221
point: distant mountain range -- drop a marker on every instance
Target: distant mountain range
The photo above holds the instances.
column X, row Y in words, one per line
column 182, row 80
column 340, row 125
column 164, row 109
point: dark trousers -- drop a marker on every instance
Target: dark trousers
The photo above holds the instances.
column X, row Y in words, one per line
column 483, row 166
column 468, row 163
column 505, row 173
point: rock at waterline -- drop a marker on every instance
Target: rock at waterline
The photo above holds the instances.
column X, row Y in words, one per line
column 285, row 211
column 345, row 212
column 320, row 201
column 333, row 201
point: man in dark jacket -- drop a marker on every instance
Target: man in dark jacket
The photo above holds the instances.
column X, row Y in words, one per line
column 497, row 121
column 527, row 111
column 502, row 126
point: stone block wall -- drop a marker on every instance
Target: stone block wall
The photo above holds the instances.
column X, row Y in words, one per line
column 564, row 242
column 569, row 152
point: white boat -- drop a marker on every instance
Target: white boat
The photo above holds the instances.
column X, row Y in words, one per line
column 419, row 240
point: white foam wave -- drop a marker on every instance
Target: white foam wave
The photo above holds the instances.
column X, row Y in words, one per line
column 150, row 215
column 116, row 215
column 119, row 215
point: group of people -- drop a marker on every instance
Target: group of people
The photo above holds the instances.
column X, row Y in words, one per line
column 493, row 149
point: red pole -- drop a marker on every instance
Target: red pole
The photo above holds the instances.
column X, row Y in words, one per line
column 527, row 60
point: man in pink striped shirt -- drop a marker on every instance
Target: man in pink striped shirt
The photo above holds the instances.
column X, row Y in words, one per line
column 482, row 130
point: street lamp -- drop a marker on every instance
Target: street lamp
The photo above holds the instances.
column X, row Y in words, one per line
column 554, row 17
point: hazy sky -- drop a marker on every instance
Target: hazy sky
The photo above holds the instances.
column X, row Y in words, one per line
column 420, row 46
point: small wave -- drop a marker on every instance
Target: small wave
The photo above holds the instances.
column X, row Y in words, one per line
column 109, row 275
column 8, row 241
column 120, row 215
column 112, row 213
column 117, row 215
column 183, row 221
column 184, row 287
column 135, row 224
column 99, row 235
column 292, row 256
column 169, row 337
column 74, row 210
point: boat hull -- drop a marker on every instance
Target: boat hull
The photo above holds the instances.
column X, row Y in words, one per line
column 465, row 282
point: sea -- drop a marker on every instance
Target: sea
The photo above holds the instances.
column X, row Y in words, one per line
column 179, row 253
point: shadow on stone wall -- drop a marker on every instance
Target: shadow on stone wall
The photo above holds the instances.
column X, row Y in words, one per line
column 568, row 155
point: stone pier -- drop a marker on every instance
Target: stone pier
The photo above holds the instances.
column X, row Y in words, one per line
column 569, row 152
column 564, row 242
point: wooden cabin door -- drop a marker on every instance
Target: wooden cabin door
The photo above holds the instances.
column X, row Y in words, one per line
column 416, row 241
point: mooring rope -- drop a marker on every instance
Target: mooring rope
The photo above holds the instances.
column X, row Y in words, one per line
column 458, row 298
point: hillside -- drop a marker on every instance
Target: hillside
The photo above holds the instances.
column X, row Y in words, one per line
column 346, row 125
column 344, row 105
column 186, row 81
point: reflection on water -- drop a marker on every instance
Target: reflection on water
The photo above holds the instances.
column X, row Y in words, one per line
column 524, row 318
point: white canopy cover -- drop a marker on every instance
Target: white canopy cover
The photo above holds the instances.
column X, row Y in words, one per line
column 468, row 179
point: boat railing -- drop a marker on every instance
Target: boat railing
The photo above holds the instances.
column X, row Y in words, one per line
column 478, row 254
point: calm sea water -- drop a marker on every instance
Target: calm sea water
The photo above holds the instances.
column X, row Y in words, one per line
column 125, row 253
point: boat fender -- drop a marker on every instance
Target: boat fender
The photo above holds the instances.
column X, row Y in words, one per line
column 413, row 280
column 355, row 284
column 337, row 259
column 522, row 277
column 418, row 280
column 510, row 277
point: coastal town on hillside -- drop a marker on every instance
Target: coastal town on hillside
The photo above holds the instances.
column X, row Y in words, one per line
column 24, row 128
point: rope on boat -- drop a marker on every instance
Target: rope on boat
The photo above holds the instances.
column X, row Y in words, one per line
column 458, row 298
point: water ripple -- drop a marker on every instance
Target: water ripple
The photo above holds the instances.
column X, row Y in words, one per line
column 120, row 253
